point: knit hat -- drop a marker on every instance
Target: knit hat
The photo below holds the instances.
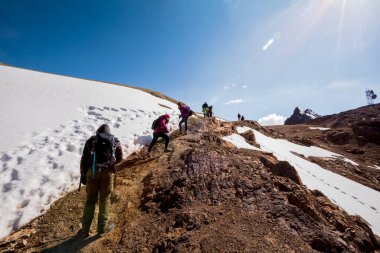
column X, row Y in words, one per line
column 103, row 129
column 167, row 116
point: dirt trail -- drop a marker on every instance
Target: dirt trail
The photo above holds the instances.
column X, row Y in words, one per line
column 204, row 196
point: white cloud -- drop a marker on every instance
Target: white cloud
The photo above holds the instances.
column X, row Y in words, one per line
column 272, row 119
column 244, row 86
column 345, row 84
column 228, row 87
column 237, row 101
column 270, row 42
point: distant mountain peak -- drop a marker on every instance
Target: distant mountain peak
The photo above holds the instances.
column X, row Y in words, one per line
column 301, row 116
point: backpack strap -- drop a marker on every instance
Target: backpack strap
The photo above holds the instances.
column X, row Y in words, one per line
column 94, row 157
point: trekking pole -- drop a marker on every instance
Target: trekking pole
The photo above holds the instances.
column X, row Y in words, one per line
column 93, row 166
column 80, row 183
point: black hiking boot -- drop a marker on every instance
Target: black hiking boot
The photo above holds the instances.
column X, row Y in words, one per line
column 83, row 234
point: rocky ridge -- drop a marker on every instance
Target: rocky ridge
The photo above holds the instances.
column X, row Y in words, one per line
column 205, row 196
column 300, row 116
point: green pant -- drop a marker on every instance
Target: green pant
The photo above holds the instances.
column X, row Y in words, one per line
column 102, row 185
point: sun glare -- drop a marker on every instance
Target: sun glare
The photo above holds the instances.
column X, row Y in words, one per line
column 344, row 24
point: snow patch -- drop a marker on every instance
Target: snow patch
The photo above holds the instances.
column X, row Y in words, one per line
column 319, row 128
column 45, row 122
column 239, row 142
column 375, row 167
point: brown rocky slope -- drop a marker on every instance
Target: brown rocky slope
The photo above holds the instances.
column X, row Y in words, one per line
column 205, row 196
column 354, row 134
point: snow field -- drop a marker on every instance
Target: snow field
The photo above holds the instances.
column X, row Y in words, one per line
column 239, row 142
column 46, row 121
column 354, row 198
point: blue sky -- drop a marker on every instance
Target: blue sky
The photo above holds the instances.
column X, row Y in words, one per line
column 253, row 57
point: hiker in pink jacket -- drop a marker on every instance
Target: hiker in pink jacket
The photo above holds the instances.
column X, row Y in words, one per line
column 161, row 130
column 185, row 114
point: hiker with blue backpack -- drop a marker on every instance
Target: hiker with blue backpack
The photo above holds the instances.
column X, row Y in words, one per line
column 97, row 166
column 184, row 116
column 160, row 127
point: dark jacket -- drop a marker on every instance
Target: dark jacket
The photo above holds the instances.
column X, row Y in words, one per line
column 86, row 159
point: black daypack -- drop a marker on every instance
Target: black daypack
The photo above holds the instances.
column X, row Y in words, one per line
column 155, row 123
column 104, row 147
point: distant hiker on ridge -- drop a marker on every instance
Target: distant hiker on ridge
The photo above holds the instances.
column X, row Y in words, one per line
column 185, row 114
column 209, row 113
column 160, row 130
column 239, row 116
column 205, row 109
column 242, row 118
column 97, row 166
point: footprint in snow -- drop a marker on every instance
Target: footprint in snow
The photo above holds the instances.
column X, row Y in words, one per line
column 6, row 157
column 90, row 127
column 96, row 114
column 70, row 147
column 8, row 186
column 31, row 151
column 24, row 203
column 15, row 175
column 5, row 167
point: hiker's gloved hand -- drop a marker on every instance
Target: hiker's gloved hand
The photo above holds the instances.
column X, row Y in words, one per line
column 83, row 179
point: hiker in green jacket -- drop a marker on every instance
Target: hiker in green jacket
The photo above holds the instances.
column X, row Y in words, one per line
column 205, row 109
column 100, row 155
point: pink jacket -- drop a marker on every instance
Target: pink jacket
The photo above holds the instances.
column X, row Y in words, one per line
column 185, row 111
column 162, row 125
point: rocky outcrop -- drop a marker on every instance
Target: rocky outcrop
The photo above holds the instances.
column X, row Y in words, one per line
column 281, row 168
column 349, row 118
column 249, row 137
column 300, row 116
column 339, row 136
column 369, row 131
